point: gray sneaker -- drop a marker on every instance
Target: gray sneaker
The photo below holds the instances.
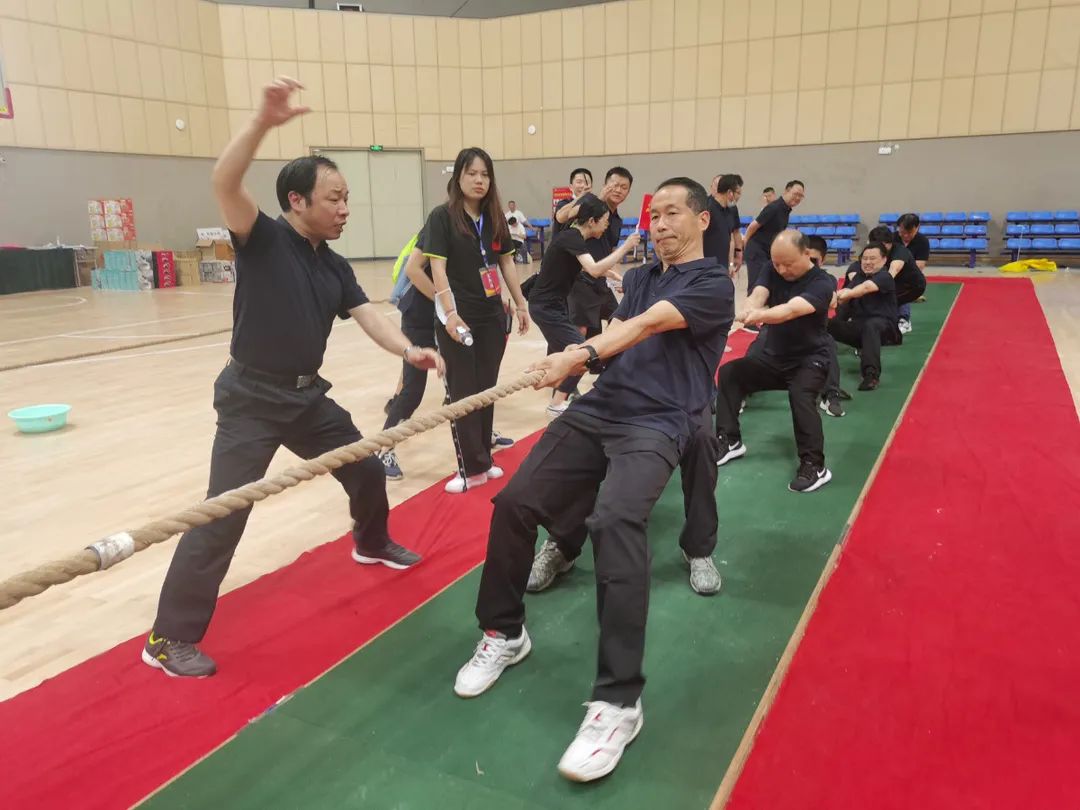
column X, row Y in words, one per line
column 547, row 565
column 704, row 578
column 177, row 659
column 391, row 555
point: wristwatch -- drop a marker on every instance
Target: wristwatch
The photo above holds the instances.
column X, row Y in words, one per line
column 405, row 354
column 594, row 365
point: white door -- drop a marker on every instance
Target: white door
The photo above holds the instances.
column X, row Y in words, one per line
column 386, row 201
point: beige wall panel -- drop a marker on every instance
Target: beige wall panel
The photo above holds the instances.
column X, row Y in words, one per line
column 157, row 127
column 733, row 74
column 209, row 35
column 102, row 63
column 76, row 59
column 870, row 56
column 472, row 131
column 865, row 113
column 930, row 39
column 429, row 133
column 710, row 22
column 662, row 25
column 736, row 20
column 789, row 18
column 290, row 138
column 836, row 126
column 513, row 132
column 573, row 83
column 84, row 126
column 48, row 60
column 1074, row 122
column 1062, row 38
column 661, row 75
column 110, row 124
column 187, row 15
column 843, row 14
column 551, row 37
column 172, row 71
column 168, row 25
column 763, row 19
column 900, row 52
column 685, row 74
column 491, row 48
column 903, row 11
column 1028, row 40
column 660, row 126
column 472, row 91
column 408, row 131
column 573, row 138
column 18, row 51
column 683, row 127
column 783, row 117
column 30, row 123
column 732, row 122
column 270, row 148
column 551, row 128
column 933, row 9
column 1055, row 99
column 313, row 126
column 533, row 144
column 961, row 8
column 282, row 35
column 493, row 92
column 194, row 78
column 122, row 19
column 595, row 82
column 356, row 41
column 510, row 38
column 513, row 88
column 231, row 22
column 382, row 90
column 956, row 96
column 995, row 37
column 153, row 85
column 925, row 109
column 988, row 6
column 986, row 114
column 764, row 60
column 219, row 131
column 594, row 31
column 126, row 58
column 306, row 25
column 336, row 89
column 811, row 118
column 332, row 36
column 403, row 40
column 686, row 22
column 594, row 132
column 710, row 70
column 452, row 141
column 261, row 73
column 615, row 142
column 638, row 16
column 469, row 43
column 531, row 87
column 530, row 43
column 895, row 110
column 961, row 47
column 785, row 64
column 380, row 45
column 1021, row 102
column 198, row 121
column 873, row 13
column 449, row 91
column 813, row 63
column 815, row 16
column 133, row 119
column 616, row 68
column 257, row 44
column 637, row 129
column 362, row 128
column 358, row 78
column 179, row 140
column 707, row 123
column 840, row 59
column 550, row 86
column 758, row 110
column 310, row 75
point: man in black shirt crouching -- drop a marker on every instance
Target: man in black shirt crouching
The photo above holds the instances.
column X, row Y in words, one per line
column 795, row 356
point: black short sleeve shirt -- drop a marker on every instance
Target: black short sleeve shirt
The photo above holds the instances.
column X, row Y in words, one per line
column 717, row 237
column 910, row 275
column 560, row 268
column 772, row 220
column 556, row 226
column 461, row 249
column 600, row 248
column 287, row 294
column 666, row 381
column 880, row 304
column 806, row 335
column 919, row 248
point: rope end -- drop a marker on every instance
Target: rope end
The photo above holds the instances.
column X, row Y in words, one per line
column 113, row 549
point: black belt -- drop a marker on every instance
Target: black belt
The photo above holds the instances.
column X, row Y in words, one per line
column 285, row 380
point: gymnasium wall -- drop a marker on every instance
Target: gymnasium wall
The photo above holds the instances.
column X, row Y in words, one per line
column 637, row 77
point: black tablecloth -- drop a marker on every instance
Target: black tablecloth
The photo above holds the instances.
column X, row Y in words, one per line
column 29, row 270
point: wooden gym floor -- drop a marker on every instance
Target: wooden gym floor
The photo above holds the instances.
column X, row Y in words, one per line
column 138, row 445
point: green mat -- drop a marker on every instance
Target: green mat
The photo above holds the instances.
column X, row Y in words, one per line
column 384, row 729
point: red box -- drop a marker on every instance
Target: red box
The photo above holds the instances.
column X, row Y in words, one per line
column 164, row 269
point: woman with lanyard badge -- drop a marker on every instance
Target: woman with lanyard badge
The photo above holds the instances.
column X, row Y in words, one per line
column 468, row 243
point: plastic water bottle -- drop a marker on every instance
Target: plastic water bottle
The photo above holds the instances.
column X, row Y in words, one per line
column 465, row 335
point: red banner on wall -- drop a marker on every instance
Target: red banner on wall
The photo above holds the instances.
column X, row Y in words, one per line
column 558, row 194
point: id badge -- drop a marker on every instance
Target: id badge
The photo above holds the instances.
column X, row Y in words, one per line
column 489, row 277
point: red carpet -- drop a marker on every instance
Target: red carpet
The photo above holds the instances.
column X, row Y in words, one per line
column 110, row 731
column 940, row 667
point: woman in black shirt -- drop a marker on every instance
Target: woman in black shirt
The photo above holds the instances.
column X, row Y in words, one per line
column 472, row 255
column 565, row 258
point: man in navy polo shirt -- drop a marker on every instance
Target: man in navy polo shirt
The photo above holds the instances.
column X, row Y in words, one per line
column 289, row 287
column 605, row 463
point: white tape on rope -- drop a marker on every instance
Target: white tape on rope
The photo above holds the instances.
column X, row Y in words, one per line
column 113, row 549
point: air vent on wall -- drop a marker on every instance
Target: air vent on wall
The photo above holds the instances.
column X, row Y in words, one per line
column 350, row 7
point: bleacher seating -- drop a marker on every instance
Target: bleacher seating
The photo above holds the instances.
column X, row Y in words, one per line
column 838, row 231
column 961, row 232
column 1042, row 232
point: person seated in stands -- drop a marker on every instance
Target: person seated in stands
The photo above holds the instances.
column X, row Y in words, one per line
column 518, row 234
column 910, row 281
column 907, row 228
column 866, row 318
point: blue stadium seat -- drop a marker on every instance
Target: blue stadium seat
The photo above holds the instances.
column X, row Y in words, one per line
column 951, row 245
column 956, row 216
column 796, row 219
column 1044, row 244
column 845, row 230
column 851, row 219
column 631, row 221
column 974, row 230
column 744, row 221
column 1042, row 229
column 979, row 216
column 1014, row 229
column 826, row 230
column 1067, row 228
column 1018, row 216
column 1066, row 216
column 1041, row 216
column 975, row 244
column 542, row 223
column 930, row 230
column 932, row 216
column 839, row 244
column 812, row 219
column 952, row 230
column 888, row 219
column 935, row 244
column 1018, row 244
column 1071, row 245
column 808, row 230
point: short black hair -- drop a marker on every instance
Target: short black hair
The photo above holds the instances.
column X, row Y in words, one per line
column 583, row 171
column 511, row 202
column 873, row 243
column 729, row 182
column 767, row 189
column 590, row 207
column 621, row 171
column 817, row 243
column 512, row 220
column 697, row 198
column 908, row 221
column 882, row 233
column 792, row 183
column 300, row 175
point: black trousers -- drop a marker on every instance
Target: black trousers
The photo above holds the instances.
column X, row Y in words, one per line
column 470, row 370
column 803, row 379
column 698, row 467
column 591, row 302
column 413, row 379
column 758, row 261
column 254, row 419
column 867, row 335
column 909, row 287
column 607, row 476
column 555, row 326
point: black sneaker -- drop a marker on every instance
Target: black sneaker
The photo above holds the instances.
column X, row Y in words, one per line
column 869, row 383
column 810, row 477
column 840, row 392
column 391, row 555
column 731, row 451
column 498, row 440
column 831, row 405
column 177, row 659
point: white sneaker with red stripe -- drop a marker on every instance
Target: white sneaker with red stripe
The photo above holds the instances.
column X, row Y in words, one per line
column 604, row 734
column 494, row 653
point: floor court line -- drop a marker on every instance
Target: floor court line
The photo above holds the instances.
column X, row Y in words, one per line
column 81, row 332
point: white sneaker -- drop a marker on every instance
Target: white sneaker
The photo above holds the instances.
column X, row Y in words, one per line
column 905, row 326
column 494, row 653
column 494, row 472
column 734, row 450
column 604, row 734
column 457, row 484
column 556, row 409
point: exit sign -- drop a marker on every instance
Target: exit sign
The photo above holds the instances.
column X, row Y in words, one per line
column 375, row 147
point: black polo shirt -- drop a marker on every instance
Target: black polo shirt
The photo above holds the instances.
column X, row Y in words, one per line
column 919, row 248
column 805, row 336
column 666, row 381
column 880, row 304
column 287, row 294
column 717, row 237
column 464, row 261
column 417, row 310
column 772, row 220
column 910, row 275
column 559, row 269
column 556, row 226
column 600, row 248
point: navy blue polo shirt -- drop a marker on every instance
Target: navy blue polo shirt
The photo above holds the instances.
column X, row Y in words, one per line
column 601, row 247
column 666, row 381
column 880, row 304
column 806, row 335
column 287, row 294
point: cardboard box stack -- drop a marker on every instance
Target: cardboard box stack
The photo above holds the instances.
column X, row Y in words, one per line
column 164, row 264
column 187, row 268
column 217, row 262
